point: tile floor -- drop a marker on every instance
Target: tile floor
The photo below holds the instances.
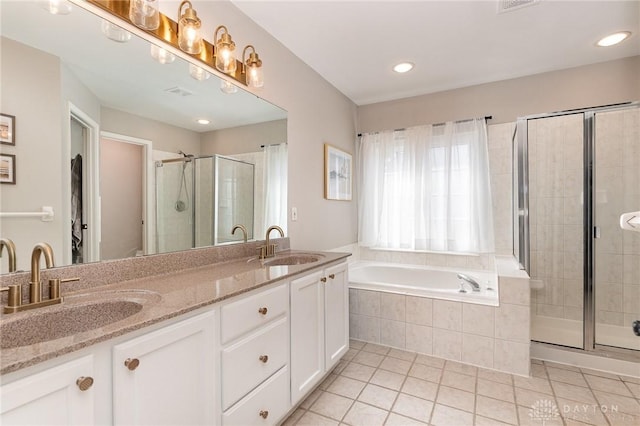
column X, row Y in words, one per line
column 377, row 385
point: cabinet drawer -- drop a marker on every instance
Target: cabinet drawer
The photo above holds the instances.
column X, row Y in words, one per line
column 242, row 366
column 251, row 312
column 270, row 400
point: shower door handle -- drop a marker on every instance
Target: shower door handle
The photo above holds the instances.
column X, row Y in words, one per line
column 596, row 232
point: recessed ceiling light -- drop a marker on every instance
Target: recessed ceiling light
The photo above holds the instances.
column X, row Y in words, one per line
column 403, row 67
column 203, row 121
column 613, row 39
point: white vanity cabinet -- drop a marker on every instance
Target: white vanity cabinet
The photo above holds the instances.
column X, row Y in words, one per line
column 254, row 357
column 168, row 376
column 61, row 395
column 319, row 326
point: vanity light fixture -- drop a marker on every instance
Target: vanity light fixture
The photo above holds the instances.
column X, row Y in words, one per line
column 403, row 67
column 614, row 39
column 189, row 37
column 161, row 55
column 252, row 68
column 198, row 73
column 228, row 87
column 203, row 121
column 57, row 7
column 224, row 51
column 114, row 32
column 145, row 14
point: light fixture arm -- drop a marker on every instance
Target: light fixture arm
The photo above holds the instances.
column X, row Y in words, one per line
column 189, row 14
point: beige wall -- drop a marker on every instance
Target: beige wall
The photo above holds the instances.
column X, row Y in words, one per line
column 238, row 140
column 27, row 94
column 591, row 85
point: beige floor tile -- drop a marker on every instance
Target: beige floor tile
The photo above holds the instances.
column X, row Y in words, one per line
column 313, row 419
column 448, row 416
column 616, row 386
column 332, row 406
column 623, row 404
column 599, row 373
column 622, row 419
column 425, row 372
column 358, row 371
column 403, row 355
column 388, row 379
column 376, row 349
column 538, row 370
column 345, row 386
column 456, row 398
column 340, row 366
column 350, row 354
column 327, row 382
column 431, row 361
column 494, row 409
column 495, row 376
column 368, row 358
column 572, row 392
column 458, row 381
column 294, row 417
column 562, row 366
column 533, row 383
column 365, row 415
column 566, row 376
column 530, row 416
column 580, row 412
column 378, row 396
column 495, row 390
column 398, row 420
column 635, row 380
column 308, row 402
column 420, row 388
column 528, row 398
column 634, row 388
column 460, row 367
column 356, row 344
column 485, row 421
column 410, row 406
column 396, row 365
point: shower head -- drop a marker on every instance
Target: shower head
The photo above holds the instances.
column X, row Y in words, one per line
column 185, row 155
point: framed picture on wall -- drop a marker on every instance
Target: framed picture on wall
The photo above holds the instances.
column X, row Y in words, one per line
column 7, row 129
column 338, row 174
column 7, row 168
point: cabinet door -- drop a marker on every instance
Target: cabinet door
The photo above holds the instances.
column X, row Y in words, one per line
column 50, row 397
column 307, row 334
column 173, row 382
column 336, row 294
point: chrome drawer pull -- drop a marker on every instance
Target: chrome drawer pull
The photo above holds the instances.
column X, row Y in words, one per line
column 263, row 310
column 84, row 383
column 264, row 414
column 264, row 358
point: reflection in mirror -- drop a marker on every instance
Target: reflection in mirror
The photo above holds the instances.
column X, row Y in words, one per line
column 94, row 118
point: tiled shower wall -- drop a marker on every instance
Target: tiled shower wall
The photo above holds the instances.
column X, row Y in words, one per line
column 617, row 180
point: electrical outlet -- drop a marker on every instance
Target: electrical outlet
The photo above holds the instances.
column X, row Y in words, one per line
column 294, row 214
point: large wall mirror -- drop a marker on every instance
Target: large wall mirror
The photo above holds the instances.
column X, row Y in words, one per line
column 137, row 152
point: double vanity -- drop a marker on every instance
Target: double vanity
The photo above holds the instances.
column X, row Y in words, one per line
column 236, row 341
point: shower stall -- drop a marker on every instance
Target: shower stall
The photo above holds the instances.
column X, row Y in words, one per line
column 576, row 172
column 200, row 199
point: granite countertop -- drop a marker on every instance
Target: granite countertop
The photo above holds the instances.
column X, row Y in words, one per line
column 162, row 297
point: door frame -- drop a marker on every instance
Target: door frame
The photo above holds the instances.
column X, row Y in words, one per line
column 148, row 200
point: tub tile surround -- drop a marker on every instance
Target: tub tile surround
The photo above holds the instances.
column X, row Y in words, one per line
column 487, row 336
column 398, row 387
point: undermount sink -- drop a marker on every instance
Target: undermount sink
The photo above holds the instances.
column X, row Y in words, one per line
column 80, row 314
column 293, row 259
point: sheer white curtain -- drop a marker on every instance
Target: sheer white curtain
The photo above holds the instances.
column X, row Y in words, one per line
column 275, row 186
column 426, row 188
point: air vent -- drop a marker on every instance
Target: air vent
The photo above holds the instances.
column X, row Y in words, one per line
column 180, row 91
column 511, row 5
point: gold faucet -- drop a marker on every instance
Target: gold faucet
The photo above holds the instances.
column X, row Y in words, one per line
column 35, row 290
column 11, row 252
column 242, row 228
column 269, row 250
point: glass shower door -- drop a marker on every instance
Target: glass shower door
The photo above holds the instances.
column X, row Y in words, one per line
column 174, row 205
column 616, row 251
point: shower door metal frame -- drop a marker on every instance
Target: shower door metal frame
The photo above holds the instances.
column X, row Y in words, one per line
column 590, row 232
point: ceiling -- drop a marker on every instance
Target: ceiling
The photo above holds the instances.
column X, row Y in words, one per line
column 453, row 44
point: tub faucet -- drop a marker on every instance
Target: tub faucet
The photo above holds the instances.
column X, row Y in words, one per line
column 269, row 250
column 466, row 278
column 35, row 289
column 11, row 252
